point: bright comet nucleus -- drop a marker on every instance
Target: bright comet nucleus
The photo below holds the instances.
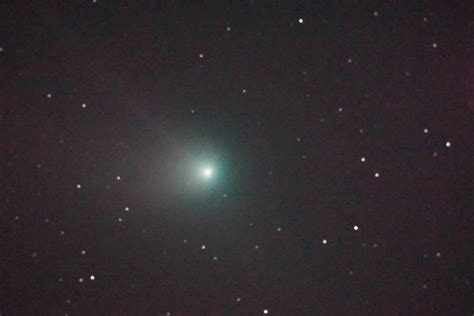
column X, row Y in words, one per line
column 207, row 172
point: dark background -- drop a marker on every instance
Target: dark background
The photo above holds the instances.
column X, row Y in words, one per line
column 353, row 80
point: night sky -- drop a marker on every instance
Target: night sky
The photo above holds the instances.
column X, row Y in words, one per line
column 236, row 158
